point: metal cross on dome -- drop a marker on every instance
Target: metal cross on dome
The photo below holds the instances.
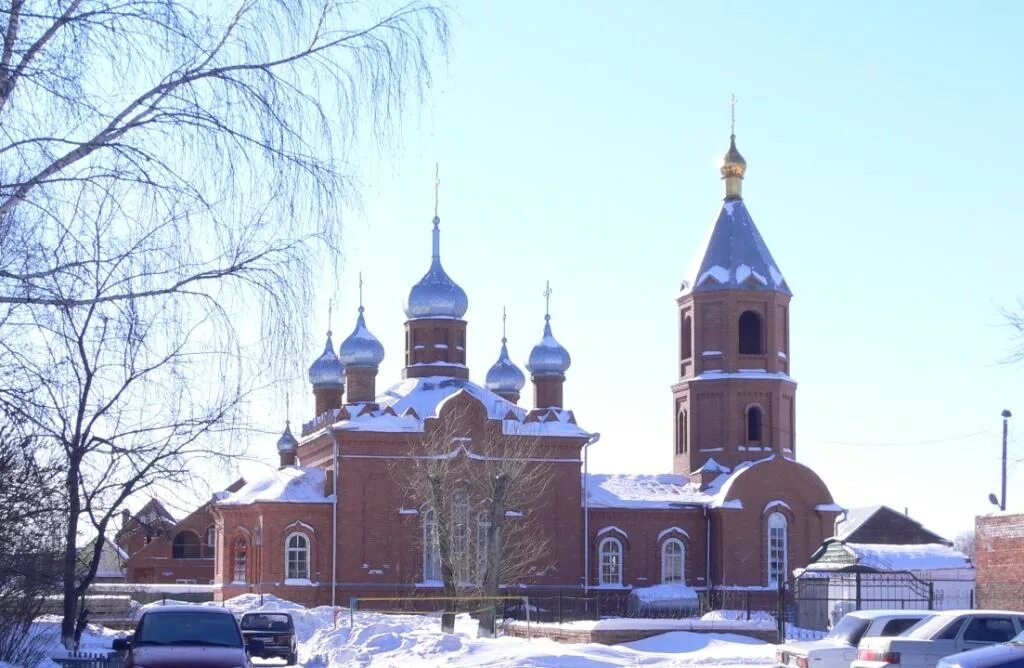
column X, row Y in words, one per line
column 330, row 314
column 361, row 287
column 547, row 299
column 437, row 186
column 504, row 317
column 732, row 105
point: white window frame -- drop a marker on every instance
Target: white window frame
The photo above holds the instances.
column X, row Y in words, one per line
column 297, row 555
column 609, row 574
column 239, row 548
column 483, row 524
column 460, row 536
column 667, row 567
column 431, row 553
column 778, row 548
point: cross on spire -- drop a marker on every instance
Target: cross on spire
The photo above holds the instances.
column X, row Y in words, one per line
column 287, row 409
column 547, row 299
column 732, row 105
column 504, row 317
column 360, row 292
column 330, row 314
column 437, row 186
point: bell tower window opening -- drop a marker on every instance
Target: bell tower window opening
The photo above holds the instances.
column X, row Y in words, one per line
column 751, row 334
column 682, row 420
column 686, row 338
column 754, row 424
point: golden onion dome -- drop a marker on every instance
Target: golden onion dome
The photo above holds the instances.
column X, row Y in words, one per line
column 733, row 163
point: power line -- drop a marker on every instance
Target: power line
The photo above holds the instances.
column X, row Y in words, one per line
column 904, row 443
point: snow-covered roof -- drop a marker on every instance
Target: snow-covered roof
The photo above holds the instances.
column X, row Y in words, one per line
column 930, row 556
column 404, row 406
column 292, row 484
column 853, row 520
column 667, row 490
column 735, row 256
column 838, row 555
column 643, row 491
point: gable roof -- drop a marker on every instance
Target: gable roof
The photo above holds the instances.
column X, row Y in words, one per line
column 838, row 555
column 883, row 525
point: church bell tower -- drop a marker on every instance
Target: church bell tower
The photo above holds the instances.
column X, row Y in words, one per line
column 734, row 400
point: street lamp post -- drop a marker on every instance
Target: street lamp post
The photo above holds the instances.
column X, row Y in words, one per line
column 1001, row 501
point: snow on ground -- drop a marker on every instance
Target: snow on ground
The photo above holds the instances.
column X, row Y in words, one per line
column 376, row 639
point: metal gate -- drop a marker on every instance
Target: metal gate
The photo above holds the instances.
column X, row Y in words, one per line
column 815, row 600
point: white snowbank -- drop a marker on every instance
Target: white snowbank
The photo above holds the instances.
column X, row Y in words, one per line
column 375, row 639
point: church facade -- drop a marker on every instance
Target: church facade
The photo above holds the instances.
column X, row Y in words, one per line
column 364, row 494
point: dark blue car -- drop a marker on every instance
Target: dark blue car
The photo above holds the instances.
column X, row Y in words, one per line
column 1004, row 655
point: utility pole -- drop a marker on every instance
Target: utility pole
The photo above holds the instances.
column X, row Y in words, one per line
column 1002, row 500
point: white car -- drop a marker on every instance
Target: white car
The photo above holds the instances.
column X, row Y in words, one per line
column 945, row 633
column 839, row 647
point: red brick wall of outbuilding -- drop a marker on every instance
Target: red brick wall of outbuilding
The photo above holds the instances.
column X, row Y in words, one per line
column 999, row 561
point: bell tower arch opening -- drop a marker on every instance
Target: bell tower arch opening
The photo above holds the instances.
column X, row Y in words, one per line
column 751, row 334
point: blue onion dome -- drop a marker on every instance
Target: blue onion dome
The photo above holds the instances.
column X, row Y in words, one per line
column 548, row 358
column 327, row 370
column 287, row 442
column 504, row 376
column 361, row 349
column 436, row 295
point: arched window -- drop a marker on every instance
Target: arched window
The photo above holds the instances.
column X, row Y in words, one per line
column 751, row 336
column 483, row 525
column 297, row 557
column 460, row 535
column 431, row 554
column 686, row 338
column 186, row 546
column 610, row 555
column 754, row 424
column 681, row 431
column 778, row 542
column 209, row 546
column 672, row 554
column 240, row 551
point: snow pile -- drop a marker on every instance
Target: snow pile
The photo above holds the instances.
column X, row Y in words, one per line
column 754, row 619
column 664, row 598
column 376, row 639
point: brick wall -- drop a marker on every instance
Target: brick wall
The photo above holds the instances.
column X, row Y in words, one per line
column 999, row 559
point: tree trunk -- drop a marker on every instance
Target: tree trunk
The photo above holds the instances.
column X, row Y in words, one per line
column 495, row 548
column 70, row 616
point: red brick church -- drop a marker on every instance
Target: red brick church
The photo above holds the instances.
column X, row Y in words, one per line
column 737, row 512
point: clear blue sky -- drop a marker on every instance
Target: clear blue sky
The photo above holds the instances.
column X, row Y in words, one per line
column 579, row 143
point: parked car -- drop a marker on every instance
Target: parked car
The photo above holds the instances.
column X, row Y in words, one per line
column 1004, row 655
column 183, row 636
column 945, row 633
column 839, row 647
column 275, row 633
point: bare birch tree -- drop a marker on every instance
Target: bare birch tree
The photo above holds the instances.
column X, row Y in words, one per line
column 482, row 487
column 171, row 175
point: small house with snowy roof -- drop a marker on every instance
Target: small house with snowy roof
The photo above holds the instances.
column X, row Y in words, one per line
column 881, row 558
column 344, row 516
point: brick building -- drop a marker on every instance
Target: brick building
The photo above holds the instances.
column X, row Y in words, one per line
column 738, row 511
column 999, row 560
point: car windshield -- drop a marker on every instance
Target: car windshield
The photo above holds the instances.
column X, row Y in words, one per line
column 188, row 628
column 930, row 627
column 266, row 622
column 1018, row 639
column 849, row 630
